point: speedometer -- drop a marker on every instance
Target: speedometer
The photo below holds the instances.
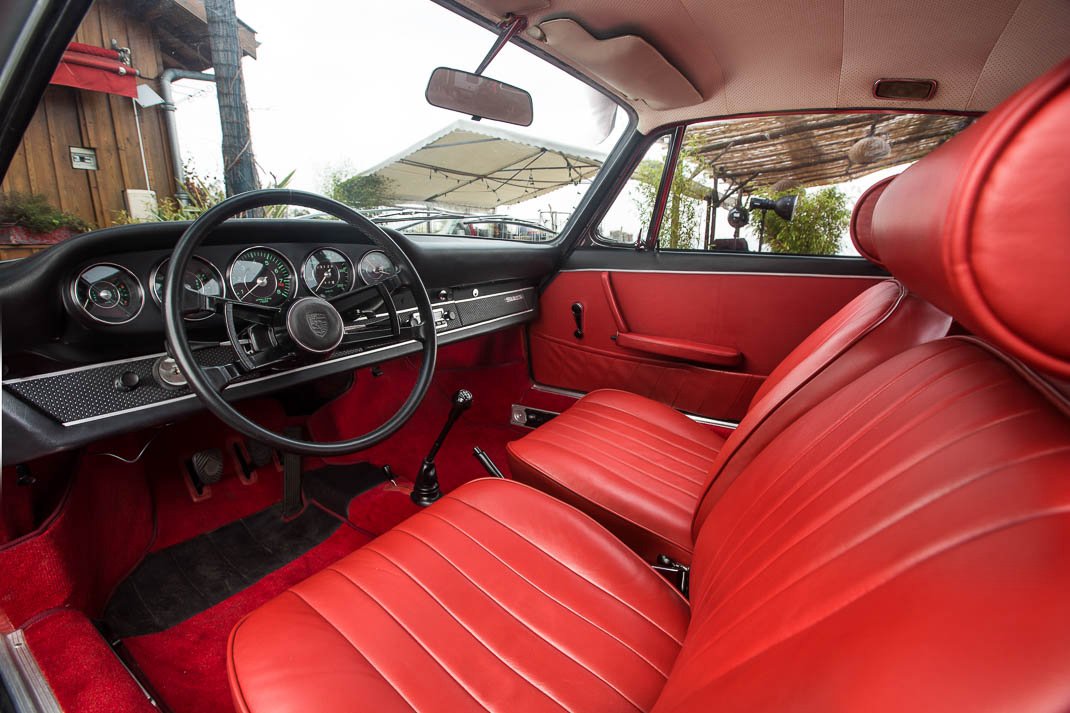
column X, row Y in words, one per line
column 262, row 276
column 200, row 276
column 327, row 273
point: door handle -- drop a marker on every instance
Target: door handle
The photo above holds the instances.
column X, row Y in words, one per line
column 577, row 314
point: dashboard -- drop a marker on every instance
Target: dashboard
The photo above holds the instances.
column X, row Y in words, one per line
column 83, row 336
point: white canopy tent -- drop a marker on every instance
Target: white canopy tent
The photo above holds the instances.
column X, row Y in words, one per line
column 478, row 166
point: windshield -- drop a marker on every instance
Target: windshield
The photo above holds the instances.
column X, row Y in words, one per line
column 131, row 129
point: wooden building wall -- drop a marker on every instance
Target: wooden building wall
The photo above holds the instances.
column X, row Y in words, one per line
column 71, row 117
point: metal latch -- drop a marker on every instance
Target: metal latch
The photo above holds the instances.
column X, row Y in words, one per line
column 677, row 573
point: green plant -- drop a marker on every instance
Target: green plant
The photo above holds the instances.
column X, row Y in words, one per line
column 203, row 193
column 682, row 220
column 360, row 192
column 817, row 228
column 36, row 214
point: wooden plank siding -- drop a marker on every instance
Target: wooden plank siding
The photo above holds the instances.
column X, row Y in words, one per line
column 69, row 117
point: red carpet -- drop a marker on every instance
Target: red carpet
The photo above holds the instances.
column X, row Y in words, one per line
column 82, row 670
column 187, row 664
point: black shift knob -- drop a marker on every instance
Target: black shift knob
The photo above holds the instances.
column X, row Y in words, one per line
column 462, row 400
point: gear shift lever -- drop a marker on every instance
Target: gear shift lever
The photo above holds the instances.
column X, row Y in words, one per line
column 425, row 490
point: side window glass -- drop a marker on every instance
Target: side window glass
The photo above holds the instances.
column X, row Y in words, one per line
column 628, row 219
column 787, row 184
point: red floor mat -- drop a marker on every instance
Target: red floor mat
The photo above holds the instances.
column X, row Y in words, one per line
column 187, row 664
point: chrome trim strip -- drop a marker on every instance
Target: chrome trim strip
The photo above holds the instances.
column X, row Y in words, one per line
column 23, row 677
column 268, row 377
column 579, row 394
column 729, row 272
column 496, row 294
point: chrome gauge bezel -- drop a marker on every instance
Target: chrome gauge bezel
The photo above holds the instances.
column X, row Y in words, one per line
column 352, row 269
column 72, row 290
column 364, row 257
column 229, row 284
column 163, row 263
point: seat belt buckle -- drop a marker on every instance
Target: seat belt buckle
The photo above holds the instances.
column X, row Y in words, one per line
column 677, row 573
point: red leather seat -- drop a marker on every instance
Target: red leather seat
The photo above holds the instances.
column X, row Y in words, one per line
column 637, row 466
column 606, row 455
column 901, row 545
column 499, row 597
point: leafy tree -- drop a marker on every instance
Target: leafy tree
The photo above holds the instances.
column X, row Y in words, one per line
column 361, row 192
column 683, row 212
column 820, row 220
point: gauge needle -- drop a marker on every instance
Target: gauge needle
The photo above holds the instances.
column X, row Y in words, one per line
column 322, row 280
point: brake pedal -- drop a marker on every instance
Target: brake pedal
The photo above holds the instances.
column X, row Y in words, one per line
column 252, row 455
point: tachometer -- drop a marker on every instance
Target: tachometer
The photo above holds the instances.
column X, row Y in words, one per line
column 375, row 267
column 262, row 276
column 327, row 273
column 108, row 293
column 200, row 276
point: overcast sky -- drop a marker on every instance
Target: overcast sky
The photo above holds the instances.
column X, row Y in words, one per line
column 342, row 85
column 339, row 86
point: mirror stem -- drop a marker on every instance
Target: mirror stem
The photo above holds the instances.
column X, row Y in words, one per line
column 511, row 25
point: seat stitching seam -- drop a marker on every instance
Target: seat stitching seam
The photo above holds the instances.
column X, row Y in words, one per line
column 586, row 580
column 915, row 422
column 624, row 434
column 412, row 636
column 844, row 507
column 503, row 608
column 591, row 407
column 837, row 423
column 544, row 592
column 352, row 645
column 903, row 569
column 897, row 520
column 642, row 447
column 475, row 638
column 628, row 466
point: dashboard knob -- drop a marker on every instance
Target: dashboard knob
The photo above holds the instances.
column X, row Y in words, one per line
column 127, row 381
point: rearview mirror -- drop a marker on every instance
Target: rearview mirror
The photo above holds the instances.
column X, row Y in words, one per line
column 479, row 96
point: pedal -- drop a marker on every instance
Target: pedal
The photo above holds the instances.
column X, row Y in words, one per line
column 529, row 417
column 252, row 455
column 204, row 469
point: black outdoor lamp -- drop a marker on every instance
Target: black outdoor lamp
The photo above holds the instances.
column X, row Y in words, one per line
column 783, row 206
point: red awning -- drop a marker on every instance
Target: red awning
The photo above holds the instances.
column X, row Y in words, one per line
column 96, row 69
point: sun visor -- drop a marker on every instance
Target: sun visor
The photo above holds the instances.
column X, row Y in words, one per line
column 501, row 8
column 626, row 63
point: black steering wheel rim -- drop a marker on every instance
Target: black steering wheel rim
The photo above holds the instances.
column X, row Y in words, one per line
column 213, row 398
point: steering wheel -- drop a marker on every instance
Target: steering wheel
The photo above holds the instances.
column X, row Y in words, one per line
column 304, row 331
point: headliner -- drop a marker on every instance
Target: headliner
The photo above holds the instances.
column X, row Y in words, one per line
column 762, row 56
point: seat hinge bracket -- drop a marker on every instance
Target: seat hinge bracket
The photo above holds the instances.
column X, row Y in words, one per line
column 677, row 573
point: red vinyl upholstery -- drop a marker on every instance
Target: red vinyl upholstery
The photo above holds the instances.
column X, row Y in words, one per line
column 979, row 228
column 637, row 466
column 641, row 468
column 496, row 598
column 899, row 546
column 862, row 221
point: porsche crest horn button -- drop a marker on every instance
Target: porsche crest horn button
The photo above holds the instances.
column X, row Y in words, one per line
column 314, row 325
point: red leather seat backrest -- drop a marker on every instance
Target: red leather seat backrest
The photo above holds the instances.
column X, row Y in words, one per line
column 862, row 220
column 883, row 321
column 903, row 544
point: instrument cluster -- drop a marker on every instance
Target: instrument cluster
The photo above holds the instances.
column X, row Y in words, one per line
column 109, row 293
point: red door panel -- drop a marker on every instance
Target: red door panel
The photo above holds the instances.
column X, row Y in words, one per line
column 702, row 342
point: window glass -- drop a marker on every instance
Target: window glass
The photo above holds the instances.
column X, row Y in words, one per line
column 628, row 218
column 731, row 175
column 335, row 99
